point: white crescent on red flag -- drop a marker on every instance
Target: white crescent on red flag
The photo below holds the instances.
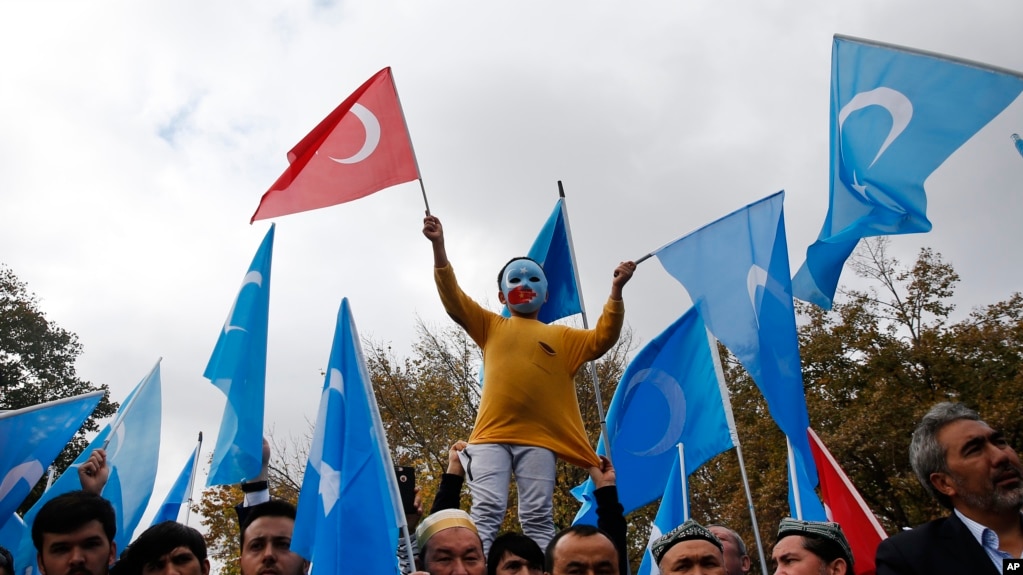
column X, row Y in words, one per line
column 362, row 147
column 846, row 507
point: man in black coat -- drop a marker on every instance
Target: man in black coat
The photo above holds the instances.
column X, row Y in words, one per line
column 969, row 468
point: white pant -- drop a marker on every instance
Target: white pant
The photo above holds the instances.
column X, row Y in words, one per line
column 489, row 470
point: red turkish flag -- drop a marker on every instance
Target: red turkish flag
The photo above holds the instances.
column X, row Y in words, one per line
column 362, row 147
column 845, row 506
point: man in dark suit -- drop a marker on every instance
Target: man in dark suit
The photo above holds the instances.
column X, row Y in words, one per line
column 969, row 468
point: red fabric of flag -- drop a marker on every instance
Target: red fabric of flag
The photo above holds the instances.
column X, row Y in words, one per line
column 362, row 147
column 845, row 506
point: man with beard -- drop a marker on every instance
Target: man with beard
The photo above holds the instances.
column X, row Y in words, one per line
column 971, row 469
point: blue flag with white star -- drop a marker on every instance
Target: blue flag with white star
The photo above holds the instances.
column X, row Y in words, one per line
column 669, row 394
column 32, row 438
column 896, row 115
column 349, row 511
column 670, row 514
column 736, row 271
column 132, row 443
column 238, row 368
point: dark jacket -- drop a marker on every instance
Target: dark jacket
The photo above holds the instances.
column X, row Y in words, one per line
column 941, row 547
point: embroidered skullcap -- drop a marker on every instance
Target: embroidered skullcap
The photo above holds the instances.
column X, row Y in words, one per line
column 688, row 531
column 817, row 529
column 438, row 521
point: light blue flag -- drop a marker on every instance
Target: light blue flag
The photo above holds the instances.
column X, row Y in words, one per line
column 736, row 271
column 669, row 394
column 896, row 115
column 133, row 451
column 32, row 438
column 13, row 532
column 553, row 251
column 670, row 514
column 178, row 493
column 238, row 368
column 349, row 511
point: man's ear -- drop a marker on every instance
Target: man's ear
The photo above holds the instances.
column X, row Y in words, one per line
column 943, row 483
column 501, row 298
column 205, row 567
column 837, row 567
column 39, row 562
column 113, row 553
column 746, row 563
column 305, row 567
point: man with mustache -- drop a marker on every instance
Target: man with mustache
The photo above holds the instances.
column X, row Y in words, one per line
column 971, row 469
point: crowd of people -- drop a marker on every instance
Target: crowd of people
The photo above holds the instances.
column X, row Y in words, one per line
column 525, row 423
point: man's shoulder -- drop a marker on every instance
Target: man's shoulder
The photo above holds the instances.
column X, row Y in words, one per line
column 924, row 532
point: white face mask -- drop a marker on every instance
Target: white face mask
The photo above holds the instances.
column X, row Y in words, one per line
column 524, row 286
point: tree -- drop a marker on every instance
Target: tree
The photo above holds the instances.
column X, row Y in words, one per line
column 872, row 366
column 37, row 364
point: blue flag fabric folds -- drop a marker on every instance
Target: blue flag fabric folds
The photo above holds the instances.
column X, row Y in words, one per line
column 132, row 455
column 669, row 394
column 32, row 438
column 736, row 271
column 553, row 251
column 238, row 368
column 178, row 494
column 669, row 515
column 896, row 115
column 348, row 508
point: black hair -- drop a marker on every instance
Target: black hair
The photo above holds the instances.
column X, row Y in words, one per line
column 157, row 541
column 6, row 561
column 827, row 549
column 581, row 530
column 272, row 508
column 500, row 274
column 517, row 544
column 69, row 511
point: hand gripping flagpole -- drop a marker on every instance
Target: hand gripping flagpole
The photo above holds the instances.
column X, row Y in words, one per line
column 191, row 480
column 411, row 146
column 586, row 325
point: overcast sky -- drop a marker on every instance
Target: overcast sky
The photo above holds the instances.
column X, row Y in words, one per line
column 136, row 139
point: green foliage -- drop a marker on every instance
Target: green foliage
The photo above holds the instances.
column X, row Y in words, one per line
column 37, row 364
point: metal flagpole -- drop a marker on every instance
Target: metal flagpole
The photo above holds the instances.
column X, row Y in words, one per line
column 191, row 480
column 793, row 479
column 50, row 473
column 412, row 147
column 727, row 402
column 685, row 482
column 586, row 324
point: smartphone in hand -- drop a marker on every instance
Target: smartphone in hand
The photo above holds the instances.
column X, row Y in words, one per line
column 407, row 487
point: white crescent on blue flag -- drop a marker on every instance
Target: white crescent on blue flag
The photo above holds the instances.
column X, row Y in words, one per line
column 896, row 115
column 349, row 510
column 669, row 394
column 736, row 271
column 132, row 455
column 32, row 438
column 552, row 249
column 238, row 368
column 178, row 494
column 670, row 514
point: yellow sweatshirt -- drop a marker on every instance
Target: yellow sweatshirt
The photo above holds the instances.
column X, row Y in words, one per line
column 528, row 380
